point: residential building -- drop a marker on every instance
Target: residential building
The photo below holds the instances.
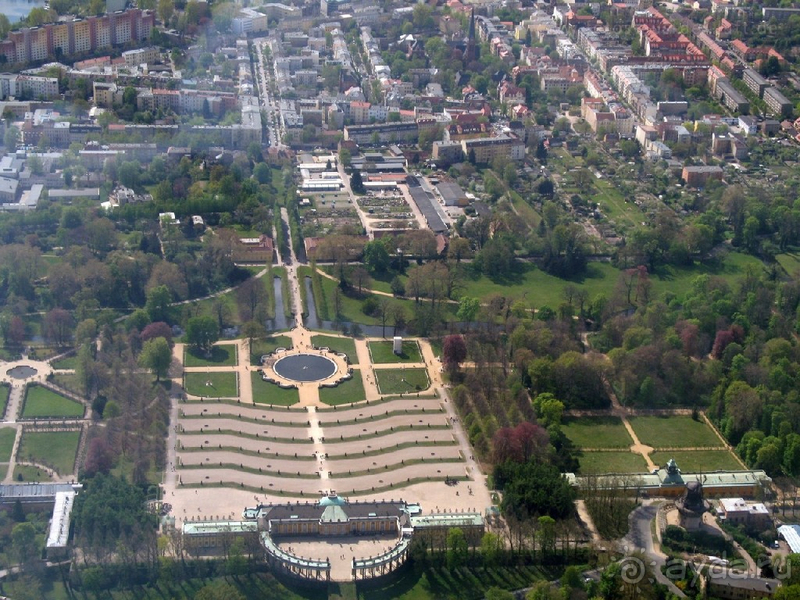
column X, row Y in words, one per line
column 755, row 82
column 777, row 103
column 699, row 176
column 738, row 512
column 484, row 150
column 729, row 585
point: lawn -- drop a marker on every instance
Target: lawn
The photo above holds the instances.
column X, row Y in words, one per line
column 350, row 390
column 7, row 436
column 223, row 355
column 401, row 381
column 211, row 385
column 42, row 403
column 68, row 362
column 5, row 390
column 699, row 460
column 381, row 352
column 611, row 462
column 542, row 289
column 30, row 473
column 674, row 432
column 269, row 393
column 790, row 262
column 597, row 432
column 55, row 449
column 337, row 344
column 266, row 345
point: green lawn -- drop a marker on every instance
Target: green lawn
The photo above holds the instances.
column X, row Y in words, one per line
column 381, row 352
column 540, row 288
column 42, row 403
column 337, row 344
column 597, row 432
column 266, row 345
column 220, row 385
column 269, row 393
column 5, row 390
column 611, row 462
column 30, row 473
column 674, row 432
column 221, row 356
column 401, row 381
column 7, row 436
column 351, row 390
column 55, row 449
column 68, row 362
column 699, row 460
column 790, row 261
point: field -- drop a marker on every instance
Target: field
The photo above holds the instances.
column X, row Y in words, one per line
column 611, row 462
column 221, row 356
column 55, row 449
column 597, row 432
column 337, row 344
column 211, row 385
column 351, row 390
column 381, row 352
column 401, row 381
column 42, row 403
column 674, row 432
column 542, row 289
column 7, row 436
column 698, row 460
column 266, row 345
column 269, row 393
column 30, row 473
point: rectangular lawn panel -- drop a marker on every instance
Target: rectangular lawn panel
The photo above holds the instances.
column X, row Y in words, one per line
column 68, row 362
column 42, row 403
column 381, row 352
column 211, row 385
column 7, row 436
column 674, row 432
column 30, row 474
column 5, row 390
column 266, row 345
column 337, row 344
column 350, row 390
column 269, row 393
column 699, row 460
column 597, row 432
column 402, row 381
column 599, row 463
column 221, row 356
column 54, row 449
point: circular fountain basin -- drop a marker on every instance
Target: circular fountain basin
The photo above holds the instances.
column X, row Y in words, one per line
column 22, row 372
column 304, row 367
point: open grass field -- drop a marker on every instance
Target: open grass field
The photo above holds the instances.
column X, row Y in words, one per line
column 211, row 385
column 351, row 390
column 542, row 289
column 68, row 362
column 597, row 432
column 381, row 352
column 337, row 344
column 266, row 345
column 223, row 355
column 790, row 261
column 30, row 473
column 269, row 393
column 699, row 460
column 42, row 403
column 55, row 449
column 401, row 381
column 674, row 432
column 7, row 436
column 611, row 462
